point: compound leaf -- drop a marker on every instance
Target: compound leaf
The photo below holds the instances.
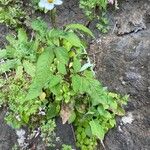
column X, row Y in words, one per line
column 97, row 129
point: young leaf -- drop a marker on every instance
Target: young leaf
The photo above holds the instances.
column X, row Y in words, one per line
column 55, row 33
column 76, row 65
column 39, row 25
column 96, row 92
column 55, row 80
column 29, row 68
column 56, row 90
column 73, row 39
column 79, row 83
column 72, row 117
column 79, row 27
column 11, row 39
column 6, row 66
column 19, row 72
column 97, row 129
column 22, row 36
column 62, row 59
column 61, row 68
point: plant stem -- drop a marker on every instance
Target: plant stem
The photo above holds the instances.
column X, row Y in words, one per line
column 53, row 17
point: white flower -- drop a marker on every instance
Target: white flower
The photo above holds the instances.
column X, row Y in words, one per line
column 49, row 4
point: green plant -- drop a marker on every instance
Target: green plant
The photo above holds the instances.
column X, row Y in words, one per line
column 35, row 3
column 47, row 132
column 66, row 147
column 103, row 24
column 96, row 9
column 92, row 7
column 54, row 77
column 11, row 12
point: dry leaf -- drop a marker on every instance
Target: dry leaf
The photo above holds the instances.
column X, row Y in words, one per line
column 65, row 113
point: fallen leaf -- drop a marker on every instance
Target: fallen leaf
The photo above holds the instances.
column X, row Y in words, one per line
column 65, row 113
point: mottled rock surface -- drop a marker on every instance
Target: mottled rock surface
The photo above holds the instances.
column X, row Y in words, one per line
column 122, row 59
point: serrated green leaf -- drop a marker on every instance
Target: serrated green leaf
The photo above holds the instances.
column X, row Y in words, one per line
column 11, row 39
column 8, row 65
column 52, row 110
column 19, row 72
column 55, row 79
column 22, row 36
column 79, row 83
column 35, row 45
column 79, row 27
column 42, row 75
column 112, row 104
column 120, row 111
column 29, row 68
column 61, row 68
column 73, row 39
column 39, row 25
column 55, row 33
column 61, row 55
column 11, row 51
column 97, row 129
column 88, row 131
column 72, row 117
column 98, row 95
column 104, row 112
column 34, row 91
column 62, row 59
column 75, row 83
column 56, row 90
column 76, row 65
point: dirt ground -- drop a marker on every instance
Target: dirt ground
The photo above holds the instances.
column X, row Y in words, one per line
column 122, row 63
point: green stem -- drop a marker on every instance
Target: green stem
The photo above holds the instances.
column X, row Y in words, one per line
column 53, row 17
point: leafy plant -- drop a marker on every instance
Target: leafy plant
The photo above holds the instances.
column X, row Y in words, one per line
column 90, row 6
column 19, row 55
column 11, row 12
column 54, row 77
column 96, row 9
column 66, row 147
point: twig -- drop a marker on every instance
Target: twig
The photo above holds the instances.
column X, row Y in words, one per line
column 114, row 27
column 103, row 144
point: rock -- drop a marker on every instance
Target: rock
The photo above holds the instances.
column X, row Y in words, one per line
column 7, row 134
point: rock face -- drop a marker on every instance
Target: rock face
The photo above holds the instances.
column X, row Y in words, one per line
column 7, row 134
column 123, row 64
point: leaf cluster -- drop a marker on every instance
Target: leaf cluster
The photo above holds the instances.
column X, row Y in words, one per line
column 56, row 79
column 96, row 9
column 12, row 12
